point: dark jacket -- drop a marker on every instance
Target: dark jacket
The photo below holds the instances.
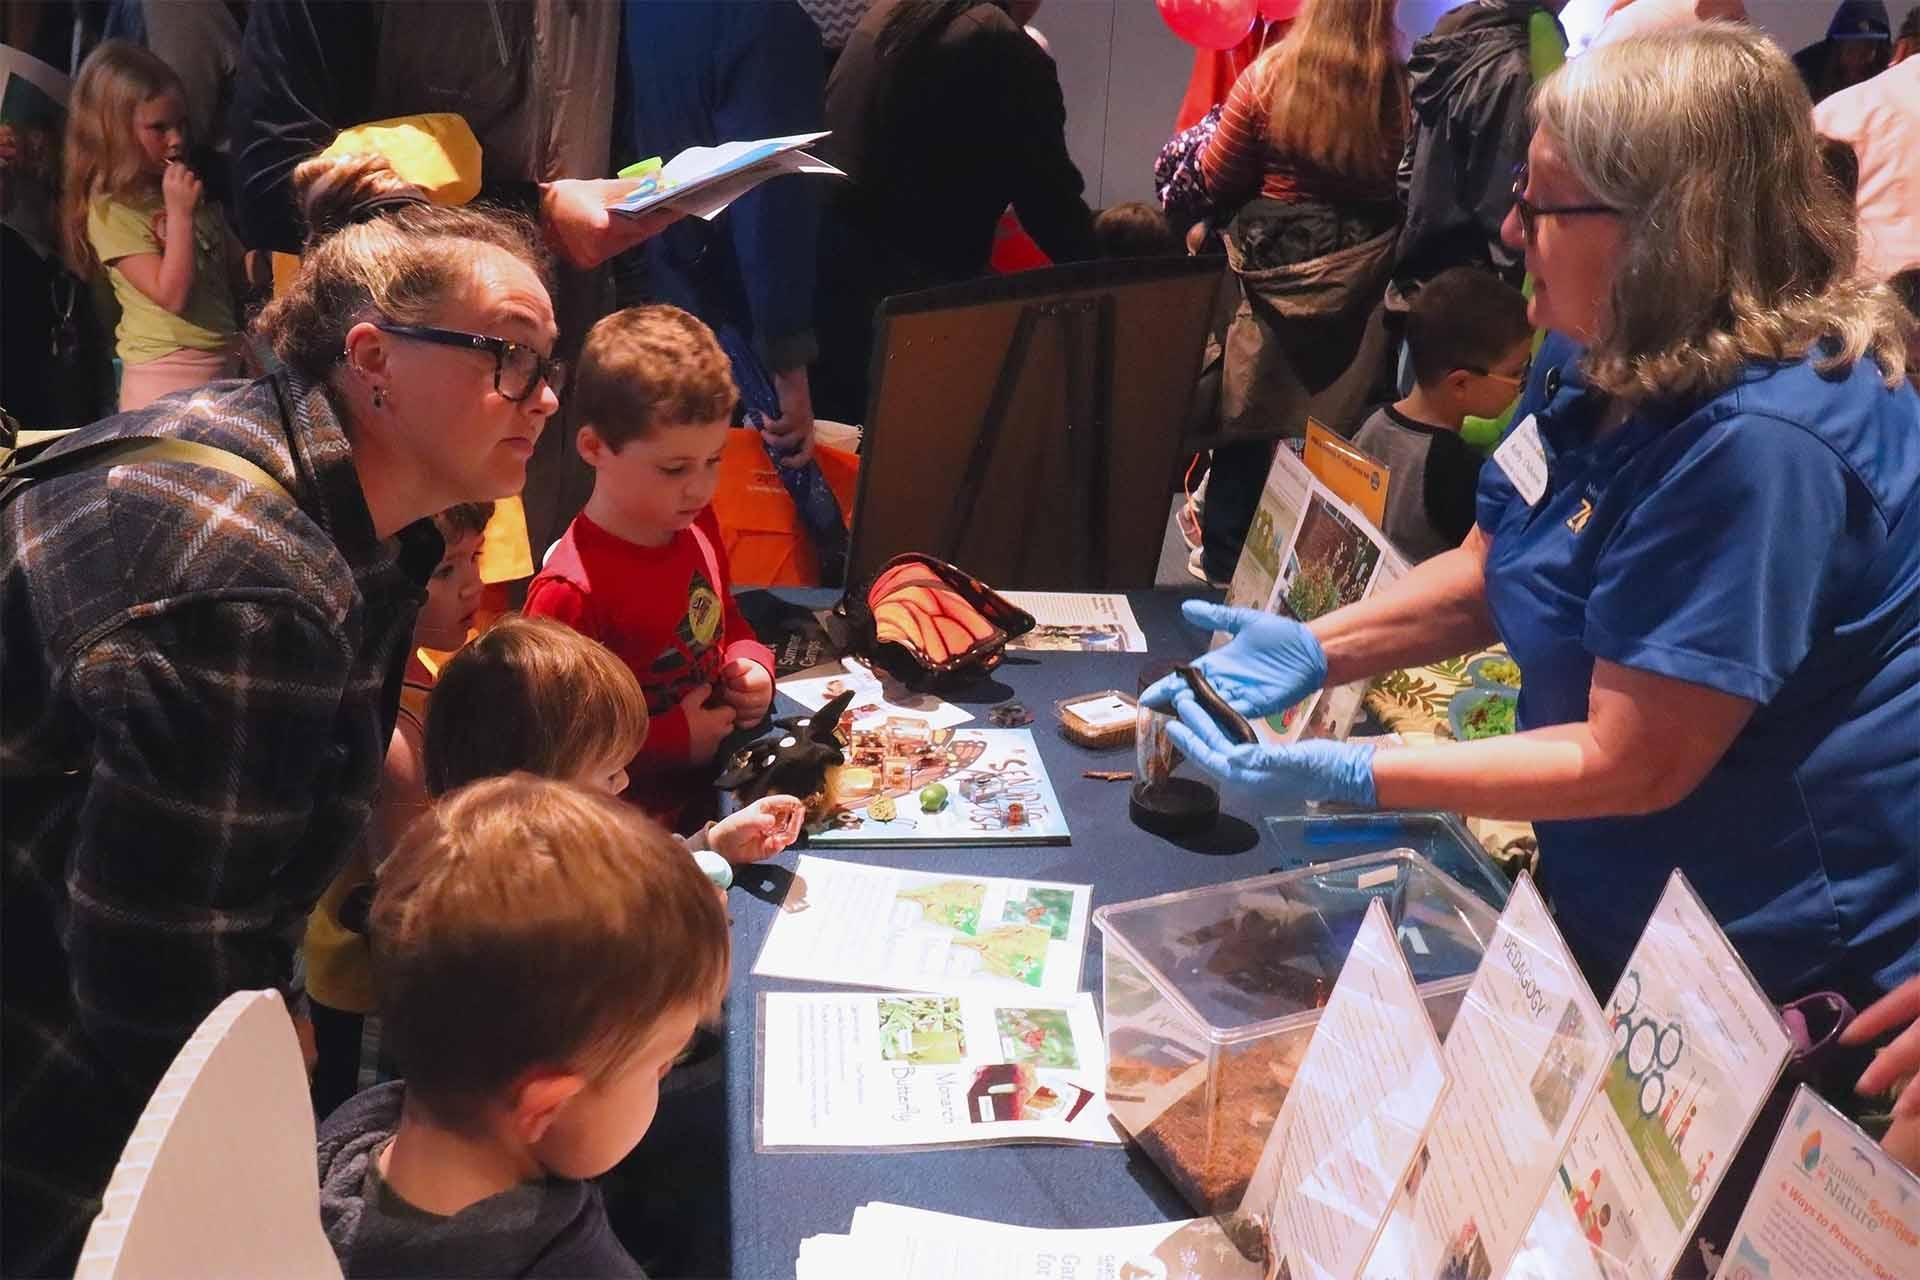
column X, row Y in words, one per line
column 1853, row 20
column 939, row 140
column 1304, row 338
column 555, row 1228
column 200, row 681
column 310, row 69
column 1469, row 80
column 698, row 74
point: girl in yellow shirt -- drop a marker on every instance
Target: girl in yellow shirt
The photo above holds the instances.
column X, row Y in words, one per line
column 130, row 205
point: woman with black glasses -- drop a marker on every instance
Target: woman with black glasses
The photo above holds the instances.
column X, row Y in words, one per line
column 1701, row 543
column 203, row 658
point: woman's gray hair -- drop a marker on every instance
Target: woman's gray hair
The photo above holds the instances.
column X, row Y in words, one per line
column 1738, row 246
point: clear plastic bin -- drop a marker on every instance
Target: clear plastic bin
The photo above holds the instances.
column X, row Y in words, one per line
column 1211, row 996
column 1442, row 838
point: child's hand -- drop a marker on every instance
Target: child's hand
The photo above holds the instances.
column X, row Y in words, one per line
column 748, row 689
column 758, row 831
column 707, row 727
column 180, row 189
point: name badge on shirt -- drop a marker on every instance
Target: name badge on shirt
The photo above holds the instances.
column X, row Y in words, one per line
column 1523, row 459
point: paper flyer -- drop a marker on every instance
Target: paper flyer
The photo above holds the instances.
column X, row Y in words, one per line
column 1830, row 1205
column 1696, row 1048
column 911, row 1070
column 1359, row 1109
column 913, row 1244
column 1074, row 621
column 702, row 181
column 865, row 926
column 905, row 784
column 876, row 697
column 1524, row 1055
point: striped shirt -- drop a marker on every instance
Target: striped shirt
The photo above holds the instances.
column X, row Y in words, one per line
column 1239, row 163
column 199, row 681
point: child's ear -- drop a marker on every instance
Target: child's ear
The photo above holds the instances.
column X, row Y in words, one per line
column 593, row 450
column 1456, row 381
column 538, row 1099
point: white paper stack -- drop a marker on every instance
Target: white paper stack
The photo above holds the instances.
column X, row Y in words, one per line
column 917, row 1244
column 702, row 181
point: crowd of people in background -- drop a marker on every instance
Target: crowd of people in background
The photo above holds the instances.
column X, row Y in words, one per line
column 259, row 732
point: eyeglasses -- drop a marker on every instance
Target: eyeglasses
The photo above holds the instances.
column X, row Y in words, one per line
column 1512, row 379
column 517, row 370
column 1531, row 213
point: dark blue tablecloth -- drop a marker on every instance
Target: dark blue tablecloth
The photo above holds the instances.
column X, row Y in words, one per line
column 696, row 1199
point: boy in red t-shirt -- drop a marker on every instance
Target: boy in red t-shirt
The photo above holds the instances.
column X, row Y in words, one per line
column 642, row 568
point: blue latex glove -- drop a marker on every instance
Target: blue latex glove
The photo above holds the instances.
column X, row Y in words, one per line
column 1341, row 772
column 1270, row 663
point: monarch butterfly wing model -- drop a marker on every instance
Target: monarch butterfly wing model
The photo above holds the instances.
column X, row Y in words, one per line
column 792, row 759
column 923, row 620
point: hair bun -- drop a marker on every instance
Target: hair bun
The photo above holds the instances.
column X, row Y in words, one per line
column 338, row 191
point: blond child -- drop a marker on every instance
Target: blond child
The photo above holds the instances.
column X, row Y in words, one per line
column 339, row 964
column 643, row 569
column 543, row 955
column 130, row 205
column 533, row 695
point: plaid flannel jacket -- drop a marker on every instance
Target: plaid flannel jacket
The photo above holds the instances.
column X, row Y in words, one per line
column 197, row 684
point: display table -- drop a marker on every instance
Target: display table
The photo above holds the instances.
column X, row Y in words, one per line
column 701, row 1162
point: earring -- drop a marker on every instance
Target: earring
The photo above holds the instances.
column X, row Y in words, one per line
column 379, row 397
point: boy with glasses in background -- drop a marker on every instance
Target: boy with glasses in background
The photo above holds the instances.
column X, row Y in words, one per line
column 1471, row 349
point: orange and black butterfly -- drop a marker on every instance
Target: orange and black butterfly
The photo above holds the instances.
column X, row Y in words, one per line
column 923, row 619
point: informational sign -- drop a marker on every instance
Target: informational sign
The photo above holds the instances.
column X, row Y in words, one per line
column 1360, row 1108
column 1696, row 1049
column 1830, row 1205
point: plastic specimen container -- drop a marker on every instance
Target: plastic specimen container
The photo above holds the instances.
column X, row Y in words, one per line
column 1211, row 996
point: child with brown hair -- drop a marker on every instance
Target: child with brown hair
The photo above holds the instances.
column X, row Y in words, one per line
column 642, row 568
column 1471, row 348
column 533, row 695
column 339, row 966
column 543, row 954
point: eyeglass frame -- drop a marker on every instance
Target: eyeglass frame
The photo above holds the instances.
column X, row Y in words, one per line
column 1531, row 213
column 1517, row 379
column 548, row 369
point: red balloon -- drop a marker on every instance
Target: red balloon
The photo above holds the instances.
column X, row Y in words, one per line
column 1281, row 10
column 1210, row 24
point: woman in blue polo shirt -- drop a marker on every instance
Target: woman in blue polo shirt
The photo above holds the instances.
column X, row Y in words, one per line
column 1701, row 543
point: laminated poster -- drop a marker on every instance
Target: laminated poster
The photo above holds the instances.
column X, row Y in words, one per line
column 1830, row 1205
column 1309, row 552
column 915, row 1244
column 877, row 699
column 904, row 1070
column 865, row 926
column 1354, row 475
column 1282, row 500
column 1524, row 1055
column 1361, row 1106
column 1074, row 621
column 1696, row 1048
column 905, row 784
